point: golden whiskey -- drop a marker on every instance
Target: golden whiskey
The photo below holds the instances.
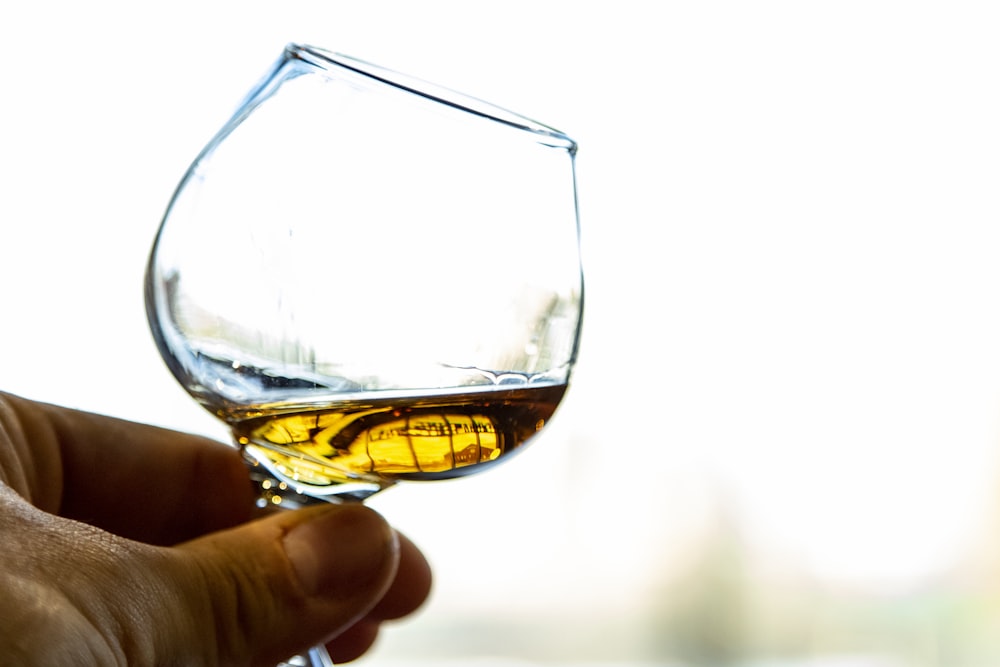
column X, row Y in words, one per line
column 402, row 438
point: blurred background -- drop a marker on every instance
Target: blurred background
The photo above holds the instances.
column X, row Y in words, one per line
column 780, row 448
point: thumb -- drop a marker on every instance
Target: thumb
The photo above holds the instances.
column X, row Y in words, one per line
column 250, row 595
column 263, row 591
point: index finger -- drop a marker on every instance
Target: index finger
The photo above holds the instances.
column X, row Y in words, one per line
column 138, row 481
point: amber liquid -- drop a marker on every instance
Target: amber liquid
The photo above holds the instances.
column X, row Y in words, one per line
column 382, row 440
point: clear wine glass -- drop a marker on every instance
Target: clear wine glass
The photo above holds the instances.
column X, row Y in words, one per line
column 370, row 279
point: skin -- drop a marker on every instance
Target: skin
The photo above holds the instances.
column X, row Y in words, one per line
column 126, row 544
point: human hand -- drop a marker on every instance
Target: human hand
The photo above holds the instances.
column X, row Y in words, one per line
column 126, row 544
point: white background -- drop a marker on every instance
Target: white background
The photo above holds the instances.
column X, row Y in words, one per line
column 791, row 359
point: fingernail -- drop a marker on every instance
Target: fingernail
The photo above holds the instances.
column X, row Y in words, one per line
column 342, row 550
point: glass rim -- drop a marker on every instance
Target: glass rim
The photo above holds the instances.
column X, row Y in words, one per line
column 327, row 60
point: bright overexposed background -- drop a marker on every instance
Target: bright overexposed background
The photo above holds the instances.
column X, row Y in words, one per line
column 781, row 444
